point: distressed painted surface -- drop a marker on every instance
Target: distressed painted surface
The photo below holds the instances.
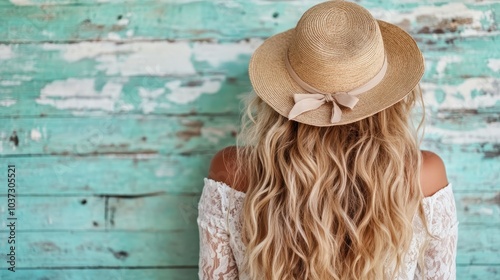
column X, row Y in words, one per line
column 111, row 113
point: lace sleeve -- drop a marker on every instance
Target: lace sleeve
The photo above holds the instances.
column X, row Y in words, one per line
column 216, row 259
column 440, row 256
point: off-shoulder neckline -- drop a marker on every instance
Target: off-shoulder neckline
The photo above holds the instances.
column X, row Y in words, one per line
column 240, row 193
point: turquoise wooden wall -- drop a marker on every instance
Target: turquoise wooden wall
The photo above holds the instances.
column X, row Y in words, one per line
column 111, row 110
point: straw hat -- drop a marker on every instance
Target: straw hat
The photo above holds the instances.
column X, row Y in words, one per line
column 337, row 66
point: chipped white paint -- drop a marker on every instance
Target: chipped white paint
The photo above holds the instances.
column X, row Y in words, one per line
column 214, row 134
column 148, row 99
column 7, row 102
column 35, row 135
column 461, row 96
column 165, row 171
column 123, row 106
column 21, row 2
column 486, row 211
column 135, row 58
column 443, row 63
column 494, row 64
column 183, row 94
column 114, row 36
column 123, row 21
column 79, row 51
column 481, row 133
column 166, row 58
column 80, row 94
column 130, row 33
column 22, row 78
column 434, row 15
column 48, row 34
column 216, row 54
column 9, row 83
column 6, row 52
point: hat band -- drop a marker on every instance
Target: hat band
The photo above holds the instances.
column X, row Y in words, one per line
column 315, row 98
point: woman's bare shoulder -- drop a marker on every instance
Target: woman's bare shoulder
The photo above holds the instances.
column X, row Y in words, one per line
column 223, row 167
column 433, row 173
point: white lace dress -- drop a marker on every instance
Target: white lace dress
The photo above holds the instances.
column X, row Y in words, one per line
column 221, row 248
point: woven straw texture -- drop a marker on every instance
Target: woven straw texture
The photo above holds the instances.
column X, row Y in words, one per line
column 337, row 46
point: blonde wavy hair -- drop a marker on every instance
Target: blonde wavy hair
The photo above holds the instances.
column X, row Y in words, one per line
column 332, row 202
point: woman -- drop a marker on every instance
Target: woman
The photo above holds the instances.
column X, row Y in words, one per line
column 327, row 180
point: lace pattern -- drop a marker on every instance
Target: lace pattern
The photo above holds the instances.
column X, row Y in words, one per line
column 222, row 250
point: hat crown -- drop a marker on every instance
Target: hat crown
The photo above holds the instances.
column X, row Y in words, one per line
column 336, row 46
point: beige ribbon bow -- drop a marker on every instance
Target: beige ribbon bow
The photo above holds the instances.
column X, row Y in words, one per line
column 315, row 98
column 310, row 101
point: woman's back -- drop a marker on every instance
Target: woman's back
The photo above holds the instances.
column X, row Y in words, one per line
column 220, row 223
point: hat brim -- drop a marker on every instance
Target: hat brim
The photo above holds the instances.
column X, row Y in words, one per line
column 272, row 83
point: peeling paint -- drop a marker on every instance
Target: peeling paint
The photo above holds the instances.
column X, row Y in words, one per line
column 80, row 94
column 486, row 133
column 6, row 52
column 443, row 63
column 7, row 102
column 21, row 2
column 79, row 51
column 165, row 171
column 464, row 95
column 35, row 135
column 164, row 58
column 114, row 36
column 148, row 99
column 494, row 64
column 22, row 78
column 183, row 94
column 48, row 34
column 131, row 59
column 436, row 16
column 8, row 83
column 123, row 21
column 486, row 211
column 216, row 54
column 214, row 134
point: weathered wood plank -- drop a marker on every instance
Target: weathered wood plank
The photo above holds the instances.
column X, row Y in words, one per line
column 112, row 96
column 188, row 134
column 208, row 19
column 125, row 249
column 165, row 212
column 56, row 213
column 116, row 135
column 478, row 208
column 130, row 214
column 140, row 174
column 110, row 175
column 116, row 249
column 133, row 273
column 478, row 249
column 170, row 213
column 472, row 272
